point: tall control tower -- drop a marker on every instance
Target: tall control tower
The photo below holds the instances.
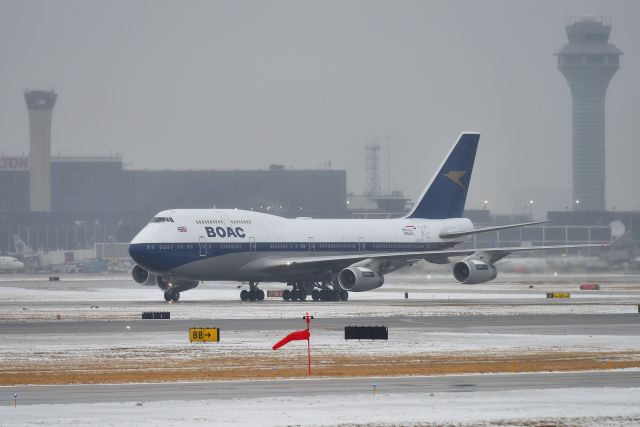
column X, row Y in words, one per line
column 40, row 105
column 588, row 62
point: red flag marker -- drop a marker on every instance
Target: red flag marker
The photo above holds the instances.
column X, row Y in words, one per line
column 293, row 336
column 299, row 335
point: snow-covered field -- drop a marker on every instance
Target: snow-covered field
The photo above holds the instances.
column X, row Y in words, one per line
column 103, row 297
column 106, row 297
column 119, row 345
column 558, row 407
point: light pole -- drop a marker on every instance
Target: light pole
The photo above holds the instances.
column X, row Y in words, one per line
column 531, row 209
column 484, row 205
column 577, row 204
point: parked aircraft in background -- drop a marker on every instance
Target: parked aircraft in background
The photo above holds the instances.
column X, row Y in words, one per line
column 324, row 258
column 10, row 264
column 50, row 260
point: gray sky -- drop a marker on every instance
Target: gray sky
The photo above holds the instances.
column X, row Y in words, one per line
column 242, row 84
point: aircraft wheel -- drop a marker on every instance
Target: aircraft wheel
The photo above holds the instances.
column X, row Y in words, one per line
column 260, row 293
column 252, row 296
column 344, row 295
column 302, row 295
column 335, row 295
column 286, row 295
column 244, row 295
column 175, row 296
column 167, row 297
column 315, row 295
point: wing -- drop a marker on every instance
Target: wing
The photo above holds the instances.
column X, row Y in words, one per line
column 453, row 234
column 386, row 262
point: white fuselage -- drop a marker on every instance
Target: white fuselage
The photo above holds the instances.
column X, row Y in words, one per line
column 8, row 263
column 220, row 244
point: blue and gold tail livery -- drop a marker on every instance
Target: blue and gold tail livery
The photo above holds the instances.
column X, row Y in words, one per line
column 446, row 194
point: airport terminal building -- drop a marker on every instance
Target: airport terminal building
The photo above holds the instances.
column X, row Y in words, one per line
column 107, row 202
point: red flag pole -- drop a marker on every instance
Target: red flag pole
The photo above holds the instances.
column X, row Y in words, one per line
column 304, row 334
column 308, row 320
column 309, row 354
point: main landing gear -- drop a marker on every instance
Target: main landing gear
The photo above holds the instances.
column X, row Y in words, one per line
column 252, row 294
column 325, row 291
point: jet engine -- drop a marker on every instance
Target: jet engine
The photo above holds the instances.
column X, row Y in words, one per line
column 470, row 271
column 359, row 279
column 142, row 276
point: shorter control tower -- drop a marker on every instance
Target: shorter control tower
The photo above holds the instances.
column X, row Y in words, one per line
column 588, row 62
column 40, row 105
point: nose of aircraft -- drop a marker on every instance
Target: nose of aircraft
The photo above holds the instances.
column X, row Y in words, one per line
column 138, row 253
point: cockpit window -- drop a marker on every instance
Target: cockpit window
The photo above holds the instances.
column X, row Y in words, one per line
column 161, row 219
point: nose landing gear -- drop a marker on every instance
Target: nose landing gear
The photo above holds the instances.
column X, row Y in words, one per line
column 171, row 295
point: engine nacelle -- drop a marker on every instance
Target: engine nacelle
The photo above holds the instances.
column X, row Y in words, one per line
column 470, row 271
column 142, row 276
column 359, row 279
column 179, row 285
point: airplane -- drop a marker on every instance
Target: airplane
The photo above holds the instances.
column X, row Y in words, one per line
column 50, row 260
column 10, row 264
column 24, row 252
column 324, row 258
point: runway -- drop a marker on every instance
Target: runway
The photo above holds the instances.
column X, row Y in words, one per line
column 93, row 393
column 451, row 348
column 563, row 324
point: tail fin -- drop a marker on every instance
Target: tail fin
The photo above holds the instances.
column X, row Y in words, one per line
column 20, row 246
column 446, row 194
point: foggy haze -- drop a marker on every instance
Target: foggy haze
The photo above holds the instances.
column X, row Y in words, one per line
column 242, row 84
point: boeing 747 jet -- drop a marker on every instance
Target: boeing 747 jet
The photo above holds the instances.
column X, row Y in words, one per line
column 323, row 258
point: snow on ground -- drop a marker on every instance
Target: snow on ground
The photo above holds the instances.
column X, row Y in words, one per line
column 35, row 298
column 103, row 297
column 107, row 297
column 121, row 344
column 282, row 310
column 228, row 292
column 579, row 406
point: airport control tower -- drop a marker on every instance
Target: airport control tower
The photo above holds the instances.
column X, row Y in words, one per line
column 40, row 105
column 588, row 62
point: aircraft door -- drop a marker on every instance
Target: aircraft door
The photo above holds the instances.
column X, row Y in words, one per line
column 252, row 245
column 203, row 246
column 312, row 246
column 425, row 236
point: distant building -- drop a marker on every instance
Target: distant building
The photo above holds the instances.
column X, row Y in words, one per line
column 71, row 202
column 101, row 184
column 588, row 62
column 97, row 200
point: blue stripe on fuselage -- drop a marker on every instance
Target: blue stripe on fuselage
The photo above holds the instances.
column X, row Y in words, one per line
column 161, row 257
